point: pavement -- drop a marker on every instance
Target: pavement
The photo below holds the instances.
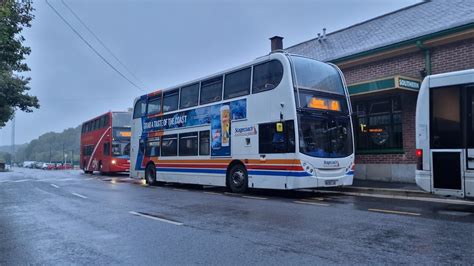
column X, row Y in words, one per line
column 66, row 217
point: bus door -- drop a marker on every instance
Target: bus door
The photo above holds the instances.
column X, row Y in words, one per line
column 446, row 141
column 469, row 117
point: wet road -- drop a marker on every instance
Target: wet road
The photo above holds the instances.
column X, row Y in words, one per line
column 64, row 217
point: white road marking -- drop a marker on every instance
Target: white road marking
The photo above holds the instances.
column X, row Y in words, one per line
column 252, row 197
column 180, row 189
column 437, row 200
column 22, row 180
column 212, row 193
column 155, row 218
column 395, row 212
column 310, row 203
column 79, row 195
column 55, row 186
column 232, row 194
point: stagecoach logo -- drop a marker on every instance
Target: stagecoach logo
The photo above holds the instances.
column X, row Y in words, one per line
column 245, row 131
column 331, row 163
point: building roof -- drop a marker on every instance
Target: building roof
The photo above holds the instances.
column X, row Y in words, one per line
column 404, row 24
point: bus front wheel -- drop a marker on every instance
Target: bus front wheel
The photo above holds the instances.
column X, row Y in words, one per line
column 237, row 179
column 150, row 175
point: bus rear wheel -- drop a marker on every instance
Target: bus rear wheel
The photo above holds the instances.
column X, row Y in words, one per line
column 237, row 179
column 150, row 175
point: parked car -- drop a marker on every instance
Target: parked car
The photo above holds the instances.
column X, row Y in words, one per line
column 38, row 165
column 29, row 164
column 47, row 166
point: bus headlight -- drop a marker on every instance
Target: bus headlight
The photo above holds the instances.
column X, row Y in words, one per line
column 114, row 161
column 308, row 168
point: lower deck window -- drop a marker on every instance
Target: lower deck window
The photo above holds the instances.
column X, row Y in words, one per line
column 188, row 144
column 272, row 141
column 153, row 148
column 169, row 145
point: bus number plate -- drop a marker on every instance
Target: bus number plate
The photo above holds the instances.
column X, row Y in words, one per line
column 330, row 182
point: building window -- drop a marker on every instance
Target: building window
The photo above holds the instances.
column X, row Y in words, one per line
column 211, row 90
column 204, row 143
column 170, row 100
column 188, row 144
column 378, row 125
column 237, row 83
column 189, row 96
column 169, row 145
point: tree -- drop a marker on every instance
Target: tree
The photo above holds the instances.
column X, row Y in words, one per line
column 15, row 15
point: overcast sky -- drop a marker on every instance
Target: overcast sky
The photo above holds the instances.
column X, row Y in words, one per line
column 164, row 43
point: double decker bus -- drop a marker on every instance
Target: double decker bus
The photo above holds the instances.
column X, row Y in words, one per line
column 280, row 122
column 105, row 143
column 445, row 134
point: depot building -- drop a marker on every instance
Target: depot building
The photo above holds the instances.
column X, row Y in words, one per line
column 384, row 61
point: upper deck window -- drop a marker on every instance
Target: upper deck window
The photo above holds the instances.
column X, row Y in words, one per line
column 237, row 83
column 121, row 120
column 314, row 75
column 170, row 100
column 211, row 90
column 154, row 106
column 189, row 96
column 267, row 76
column 140, row 109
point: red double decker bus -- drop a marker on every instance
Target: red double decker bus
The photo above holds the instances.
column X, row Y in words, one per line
column 105, row 143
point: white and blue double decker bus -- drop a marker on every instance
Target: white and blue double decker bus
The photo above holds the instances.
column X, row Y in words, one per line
column 279, row 122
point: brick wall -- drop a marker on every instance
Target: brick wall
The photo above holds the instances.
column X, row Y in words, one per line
column 406, row 65
column 451, row 57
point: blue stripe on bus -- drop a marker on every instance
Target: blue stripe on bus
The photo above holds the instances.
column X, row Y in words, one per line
column 209, row 171
column 350, row 173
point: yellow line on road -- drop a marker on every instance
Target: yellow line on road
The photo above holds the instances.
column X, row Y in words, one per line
column 310, row 203
column 395, row 212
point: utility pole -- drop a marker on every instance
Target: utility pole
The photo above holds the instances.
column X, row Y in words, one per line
column 13, row 140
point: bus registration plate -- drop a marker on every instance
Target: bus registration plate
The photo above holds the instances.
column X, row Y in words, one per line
column 330, row 182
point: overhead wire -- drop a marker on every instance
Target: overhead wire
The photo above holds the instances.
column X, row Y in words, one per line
column 101, row 42
column 91, row 47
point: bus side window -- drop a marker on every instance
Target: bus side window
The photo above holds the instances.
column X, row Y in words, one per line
column 106, row 148
column 189, row 96
column 170, row 100
column 271, row 141
column 153, row 148
column 154, row 105
column 267, row 76
column 211, row 90
column 188, row 144
column 169, row 145
column 204, row 142
column 140, row 109
column 141, row 147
